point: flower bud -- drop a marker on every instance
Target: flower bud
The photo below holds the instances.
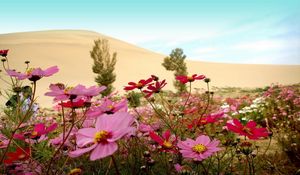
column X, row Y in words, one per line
column 146, row 154
column 150, row 162
column 207, row 80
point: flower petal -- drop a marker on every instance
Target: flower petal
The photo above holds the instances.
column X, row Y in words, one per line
column 103, row 150
column 79, row 152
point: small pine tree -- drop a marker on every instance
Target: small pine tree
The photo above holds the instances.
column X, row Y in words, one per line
column 104, row 65
column 175, row 62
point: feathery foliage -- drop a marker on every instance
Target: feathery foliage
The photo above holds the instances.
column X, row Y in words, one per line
column 175, row 62
column 104, row 65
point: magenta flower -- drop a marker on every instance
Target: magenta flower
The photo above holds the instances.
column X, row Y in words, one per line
column 178, row 167
column 3, row 53
column 198, row 149
column 33, row 74
column 39, row 130
column 248, row 130
column 102, row 139
column 184, row 78
column 166, row 141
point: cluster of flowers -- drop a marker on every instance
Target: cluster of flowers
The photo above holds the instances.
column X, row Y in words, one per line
column 98, row 129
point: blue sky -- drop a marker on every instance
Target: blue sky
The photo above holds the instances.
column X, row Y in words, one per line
column 233, row 31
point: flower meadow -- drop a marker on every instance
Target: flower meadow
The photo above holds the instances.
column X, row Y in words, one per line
column 148, row 130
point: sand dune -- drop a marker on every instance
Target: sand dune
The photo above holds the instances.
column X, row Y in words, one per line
column 69, row 49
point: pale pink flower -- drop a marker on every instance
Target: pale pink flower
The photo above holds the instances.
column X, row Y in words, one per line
column 3, row 141
column 101, row 140
column 81, row 90
column 33, row 74
column 198, row 149
column 145, row 128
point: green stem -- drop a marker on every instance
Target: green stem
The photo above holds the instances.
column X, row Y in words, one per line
column 20, row 123
column 269, row 144
column 190, row 91
column 62, row 144
column 115, row 165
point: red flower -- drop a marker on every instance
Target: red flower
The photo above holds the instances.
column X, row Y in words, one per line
column 19, row 155
column 3, row 53
column 184, row 78
column 211, row 118
column 76, row 104
column 154, row 88
column 248, row 130
column 167, row 143
column 142, row 83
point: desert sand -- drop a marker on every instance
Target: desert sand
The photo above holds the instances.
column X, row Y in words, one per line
column 69, row 50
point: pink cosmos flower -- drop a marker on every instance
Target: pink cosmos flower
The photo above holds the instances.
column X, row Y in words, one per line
column 107, row 106
column 3, row 53
column 102, row 139
column 142, row 83
column 81, row 90
column 248, row 130
column 184, row 78
column 178, row 167
column 62, row 93
column 198, row 149
column 145, row 128
column 33, row 74
column 166, row 141
column 154, row 88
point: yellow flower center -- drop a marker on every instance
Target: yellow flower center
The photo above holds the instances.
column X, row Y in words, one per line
column 247, row 130
column 167, row 144
column 29, row 71
column 34, row 133
column 199, row 148
column 139, row 85
column 101, row 136
column 110, row 107
column 203, row 121
column 68, row 89
column 1, row 143
column 190, row 78
column 75, row 171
